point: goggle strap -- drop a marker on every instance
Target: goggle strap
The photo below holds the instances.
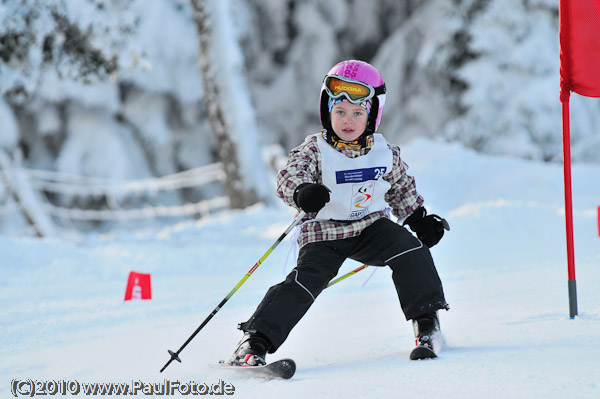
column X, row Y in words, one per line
column 380, row 90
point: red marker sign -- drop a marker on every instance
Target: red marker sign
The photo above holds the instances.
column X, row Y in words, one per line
column 138, row 286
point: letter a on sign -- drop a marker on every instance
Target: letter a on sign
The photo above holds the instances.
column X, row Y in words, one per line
column 138, row 286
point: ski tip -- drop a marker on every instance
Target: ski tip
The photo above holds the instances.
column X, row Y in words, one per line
column 287, row 368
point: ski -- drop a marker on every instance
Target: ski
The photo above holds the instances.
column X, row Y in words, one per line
column 422, row 352
column 283, row 368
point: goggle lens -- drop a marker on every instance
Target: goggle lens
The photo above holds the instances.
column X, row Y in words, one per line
column 354, row 90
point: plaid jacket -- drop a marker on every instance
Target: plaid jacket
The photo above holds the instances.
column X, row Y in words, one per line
column 304, row 166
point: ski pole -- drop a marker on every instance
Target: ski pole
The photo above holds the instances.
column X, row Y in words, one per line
column 345, row 276
column 175, row 355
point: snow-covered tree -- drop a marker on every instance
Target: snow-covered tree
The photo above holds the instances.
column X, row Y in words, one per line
column 230, row 111
column 79, row 42
column 511, row 101
column 113, row 89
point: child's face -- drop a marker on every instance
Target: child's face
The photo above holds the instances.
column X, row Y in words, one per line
column 348, row 120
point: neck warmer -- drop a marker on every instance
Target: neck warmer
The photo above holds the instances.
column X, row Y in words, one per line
column 363, row 141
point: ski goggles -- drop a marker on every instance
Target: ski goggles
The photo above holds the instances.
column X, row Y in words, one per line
column 355, row 91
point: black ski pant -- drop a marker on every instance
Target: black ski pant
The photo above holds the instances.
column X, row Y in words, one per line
column 383, row 243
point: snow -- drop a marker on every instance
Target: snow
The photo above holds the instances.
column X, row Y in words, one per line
column 503, row 264
column 79, row 156
column 162, row 57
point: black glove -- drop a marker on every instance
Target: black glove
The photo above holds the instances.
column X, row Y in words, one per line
column 311, row 197
column 429, row 228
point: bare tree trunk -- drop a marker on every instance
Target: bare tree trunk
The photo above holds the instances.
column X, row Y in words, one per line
column 11, row 187
column 28, row 218
column 235, row 188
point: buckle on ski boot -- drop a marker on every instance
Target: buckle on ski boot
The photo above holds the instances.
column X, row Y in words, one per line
column 425, row 328
column 251, row 350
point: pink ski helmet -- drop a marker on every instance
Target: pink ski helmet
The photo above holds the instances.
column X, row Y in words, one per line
column 345, row 80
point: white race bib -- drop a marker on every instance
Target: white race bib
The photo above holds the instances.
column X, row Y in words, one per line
column 356, row 184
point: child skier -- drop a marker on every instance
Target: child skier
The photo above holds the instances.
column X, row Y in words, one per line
column 346, row 178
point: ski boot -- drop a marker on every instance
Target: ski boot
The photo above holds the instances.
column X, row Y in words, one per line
column 251, row 350
column 426, row 327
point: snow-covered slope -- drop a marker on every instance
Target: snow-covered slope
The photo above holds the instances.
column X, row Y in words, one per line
column 503, row 264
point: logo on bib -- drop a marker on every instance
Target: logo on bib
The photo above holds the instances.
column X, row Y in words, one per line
column 362, row 197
